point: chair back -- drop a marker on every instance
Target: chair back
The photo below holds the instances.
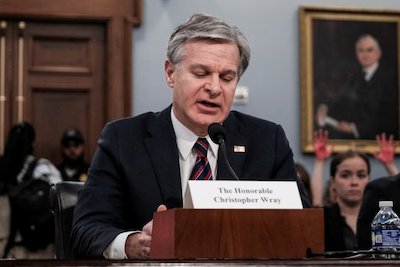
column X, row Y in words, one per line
column 63, row 197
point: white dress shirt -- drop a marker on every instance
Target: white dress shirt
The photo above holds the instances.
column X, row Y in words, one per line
column 369, row 71
column 185, row 140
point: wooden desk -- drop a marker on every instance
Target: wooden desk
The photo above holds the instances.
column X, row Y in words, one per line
column 205, row 263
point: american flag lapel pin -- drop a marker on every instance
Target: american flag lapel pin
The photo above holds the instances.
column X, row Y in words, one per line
column 239, row 149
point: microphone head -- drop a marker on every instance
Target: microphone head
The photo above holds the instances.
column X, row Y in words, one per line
column 216, row 133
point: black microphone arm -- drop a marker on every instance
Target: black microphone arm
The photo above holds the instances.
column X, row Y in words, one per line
column 218, row 136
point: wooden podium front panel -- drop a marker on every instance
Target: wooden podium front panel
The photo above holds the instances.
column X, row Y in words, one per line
column 237, row 234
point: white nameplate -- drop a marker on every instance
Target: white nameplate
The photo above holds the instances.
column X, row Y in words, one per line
column 243, row 195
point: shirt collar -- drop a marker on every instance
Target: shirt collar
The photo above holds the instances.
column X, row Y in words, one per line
column 369, row 71
column 185, row 138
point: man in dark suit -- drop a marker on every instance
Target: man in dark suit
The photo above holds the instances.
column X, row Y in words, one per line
column 368, row 104
column 382, row 189
column 142, row 164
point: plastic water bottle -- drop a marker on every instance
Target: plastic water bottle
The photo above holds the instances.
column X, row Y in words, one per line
column 386, row 231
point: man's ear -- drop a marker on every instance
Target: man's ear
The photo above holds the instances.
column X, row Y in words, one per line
column 170, row 73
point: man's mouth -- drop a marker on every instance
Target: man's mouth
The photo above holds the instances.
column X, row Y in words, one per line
column 208, row 104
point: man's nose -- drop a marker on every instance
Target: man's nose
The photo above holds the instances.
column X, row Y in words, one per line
column 214, row 85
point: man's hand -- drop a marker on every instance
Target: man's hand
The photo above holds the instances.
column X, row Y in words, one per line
column 137, row 245
column 321, row 114
column 320, row 144
column 344, row 126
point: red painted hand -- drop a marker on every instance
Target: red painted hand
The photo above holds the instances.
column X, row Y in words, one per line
column 386, row 148
column 320, row 144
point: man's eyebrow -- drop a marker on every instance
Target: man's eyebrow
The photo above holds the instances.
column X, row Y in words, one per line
column 229, row 72
column 198, row 66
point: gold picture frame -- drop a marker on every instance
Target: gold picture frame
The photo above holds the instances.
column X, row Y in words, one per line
column 349, row 64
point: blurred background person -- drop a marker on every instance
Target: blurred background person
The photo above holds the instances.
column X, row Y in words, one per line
column 305, row 178
column 26, row 182
column 73, row 167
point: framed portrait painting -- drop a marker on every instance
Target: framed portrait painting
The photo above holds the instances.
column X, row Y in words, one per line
column 349, row 76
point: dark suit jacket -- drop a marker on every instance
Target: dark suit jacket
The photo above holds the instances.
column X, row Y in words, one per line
column 136, row 168
column 386, row 188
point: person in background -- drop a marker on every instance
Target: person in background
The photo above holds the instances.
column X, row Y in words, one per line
column 73, row 167
column 349, row 173
column 305, row 178
column 354, row 168
column 26, row 181
column 322, row 151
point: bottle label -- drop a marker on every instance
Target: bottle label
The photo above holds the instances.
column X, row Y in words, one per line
column 385, row 238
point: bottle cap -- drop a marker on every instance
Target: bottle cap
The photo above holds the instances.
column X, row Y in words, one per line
column 385, row 204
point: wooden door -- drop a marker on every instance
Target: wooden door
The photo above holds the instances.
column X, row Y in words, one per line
column 55, row 81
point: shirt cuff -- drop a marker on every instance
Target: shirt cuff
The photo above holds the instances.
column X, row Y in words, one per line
column 116, row 249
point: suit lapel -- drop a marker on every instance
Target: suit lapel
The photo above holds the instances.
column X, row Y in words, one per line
column 163, row 151
column 234, row 137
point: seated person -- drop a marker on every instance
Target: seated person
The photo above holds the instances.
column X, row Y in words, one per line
column 349, row 174
column 143, row 163
column 73, row 166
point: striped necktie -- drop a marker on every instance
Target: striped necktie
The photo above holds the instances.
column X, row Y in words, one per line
column 201, row 170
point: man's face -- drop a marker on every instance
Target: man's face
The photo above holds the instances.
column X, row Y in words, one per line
column 73, row 150
column 367, row 52
column 204, row 83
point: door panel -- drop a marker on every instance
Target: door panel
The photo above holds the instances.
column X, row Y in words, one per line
column 55, row 110
column 60, row 55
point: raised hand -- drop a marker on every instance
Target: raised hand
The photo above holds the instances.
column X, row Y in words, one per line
column 386, row 148
column 320, row 144
column 386, row 153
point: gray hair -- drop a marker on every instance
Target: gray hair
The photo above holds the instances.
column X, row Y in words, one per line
column 366, row 36
column 208, row 27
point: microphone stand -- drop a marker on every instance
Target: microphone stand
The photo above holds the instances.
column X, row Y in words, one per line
column 221, row 141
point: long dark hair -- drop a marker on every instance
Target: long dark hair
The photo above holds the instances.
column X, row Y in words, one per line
column 19, row 145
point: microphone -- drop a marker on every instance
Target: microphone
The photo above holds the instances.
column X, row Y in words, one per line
column 218, row 136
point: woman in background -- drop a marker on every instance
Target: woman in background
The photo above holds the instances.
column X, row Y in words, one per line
column 349, row 174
